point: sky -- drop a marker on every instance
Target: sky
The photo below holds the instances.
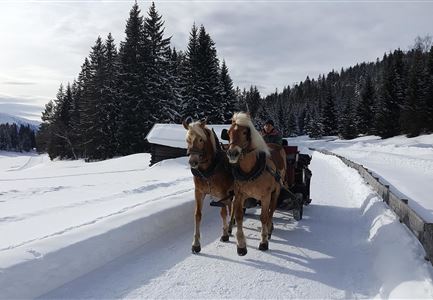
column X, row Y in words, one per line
column 270, row 44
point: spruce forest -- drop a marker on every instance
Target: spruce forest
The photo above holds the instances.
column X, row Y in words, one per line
column 120, row 93
column 16, row 138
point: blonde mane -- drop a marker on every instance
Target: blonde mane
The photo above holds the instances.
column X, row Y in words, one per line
column 195, row 129
column 257, row 141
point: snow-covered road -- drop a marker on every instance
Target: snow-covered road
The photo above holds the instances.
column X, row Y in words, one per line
column 349, row 245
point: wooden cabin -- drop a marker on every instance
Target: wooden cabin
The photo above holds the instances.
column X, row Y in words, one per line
column 168, row 140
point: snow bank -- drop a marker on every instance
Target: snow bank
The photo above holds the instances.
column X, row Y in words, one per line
column 47, row 243
column 396, row 255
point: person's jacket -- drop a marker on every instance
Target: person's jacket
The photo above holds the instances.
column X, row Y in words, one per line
column 273, row 137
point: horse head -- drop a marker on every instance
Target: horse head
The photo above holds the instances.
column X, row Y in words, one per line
column 243, row 138
column 200, row 142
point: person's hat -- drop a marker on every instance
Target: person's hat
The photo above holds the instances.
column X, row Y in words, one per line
column 270, row 122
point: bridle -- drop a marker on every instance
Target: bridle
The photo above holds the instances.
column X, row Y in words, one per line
column 200, row 152
column 244, row 147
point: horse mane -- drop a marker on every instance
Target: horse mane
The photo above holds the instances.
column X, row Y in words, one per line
column 197, row 129
column 257, row 141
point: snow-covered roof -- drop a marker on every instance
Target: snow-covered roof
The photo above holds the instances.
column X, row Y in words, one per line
column 173, row 135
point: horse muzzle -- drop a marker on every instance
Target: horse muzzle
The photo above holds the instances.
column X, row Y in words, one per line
column 234, row 154
column 193, row 163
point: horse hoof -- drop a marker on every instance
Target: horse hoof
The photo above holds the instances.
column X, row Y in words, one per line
column 264, row 246
column 196, row 249
column 224, row 238
column 242, row 251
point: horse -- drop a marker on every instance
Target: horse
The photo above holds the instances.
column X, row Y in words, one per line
column 256, row 176
column 212, row 175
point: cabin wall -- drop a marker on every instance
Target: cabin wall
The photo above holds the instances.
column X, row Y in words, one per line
column 160, row 152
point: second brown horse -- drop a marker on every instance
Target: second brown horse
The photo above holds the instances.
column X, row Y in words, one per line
column 256, row 175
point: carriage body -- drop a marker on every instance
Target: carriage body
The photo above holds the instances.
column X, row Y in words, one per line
column 298, row 176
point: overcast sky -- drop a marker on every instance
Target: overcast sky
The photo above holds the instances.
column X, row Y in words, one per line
column 270, row 44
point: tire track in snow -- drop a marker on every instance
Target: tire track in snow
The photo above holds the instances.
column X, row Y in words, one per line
column 101, row 218
column 143, row 189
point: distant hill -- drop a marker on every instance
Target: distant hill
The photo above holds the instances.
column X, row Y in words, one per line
column 6, row 118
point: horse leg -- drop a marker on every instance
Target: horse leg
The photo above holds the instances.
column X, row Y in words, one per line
column 272, row 208
column 240, row 237
column 225, row 236
column 264, row 218
column 232, row 217
column 196, row 248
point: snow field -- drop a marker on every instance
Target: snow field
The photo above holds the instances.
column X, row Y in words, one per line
column 349, row 245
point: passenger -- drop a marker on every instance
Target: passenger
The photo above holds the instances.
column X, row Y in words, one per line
column 270, row 134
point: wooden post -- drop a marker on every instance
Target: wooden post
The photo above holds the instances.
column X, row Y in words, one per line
column 427, row 241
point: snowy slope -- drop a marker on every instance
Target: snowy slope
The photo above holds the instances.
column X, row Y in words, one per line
column 61, row 220
column 406, row 164
column 6, row 118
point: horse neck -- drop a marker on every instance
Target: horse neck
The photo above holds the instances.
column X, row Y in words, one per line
column 248, row 161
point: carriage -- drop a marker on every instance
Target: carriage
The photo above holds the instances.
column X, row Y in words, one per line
column 270, row 175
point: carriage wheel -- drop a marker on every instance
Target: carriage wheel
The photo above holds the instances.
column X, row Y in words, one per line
column 299, row 210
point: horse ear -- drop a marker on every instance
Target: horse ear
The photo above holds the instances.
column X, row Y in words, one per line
column 248, row 114
column 203, row 122
column 186, row 123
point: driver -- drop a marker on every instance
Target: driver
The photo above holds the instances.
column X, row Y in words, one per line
column 270, row 134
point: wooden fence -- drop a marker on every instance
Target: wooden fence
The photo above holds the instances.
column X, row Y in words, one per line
column 419, row 227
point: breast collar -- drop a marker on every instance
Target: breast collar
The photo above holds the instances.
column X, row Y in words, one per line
column 258, row 169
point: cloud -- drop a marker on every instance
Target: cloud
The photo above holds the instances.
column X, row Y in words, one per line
column 18, row 82
column 269, row 44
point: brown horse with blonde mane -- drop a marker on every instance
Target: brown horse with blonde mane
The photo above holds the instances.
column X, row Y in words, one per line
column 212, row 175
column 258, row 172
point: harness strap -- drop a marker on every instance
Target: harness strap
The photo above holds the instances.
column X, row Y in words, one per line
column 258, row 169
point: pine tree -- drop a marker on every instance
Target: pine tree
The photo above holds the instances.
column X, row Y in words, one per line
column 109, row 102
column 414, row 109
column 228, row 94
column 365, row 115
column 387, row 115
column 190, row 74
column 315, row 126
column 292, row 127
column 348, row 121
column 61, row 145
column 176, row 72
column 92, row 103
column 329, row 119
column 134, row 119
column 44, row 135
column 209, row 97
column 161, row 93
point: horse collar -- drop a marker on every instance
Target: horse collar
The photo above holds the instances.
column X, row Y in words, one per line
column 258, row 169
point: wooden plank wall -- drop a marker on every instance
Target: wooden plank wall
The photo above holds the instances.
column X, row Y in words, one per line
column 416, row 224
column 160, row 152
